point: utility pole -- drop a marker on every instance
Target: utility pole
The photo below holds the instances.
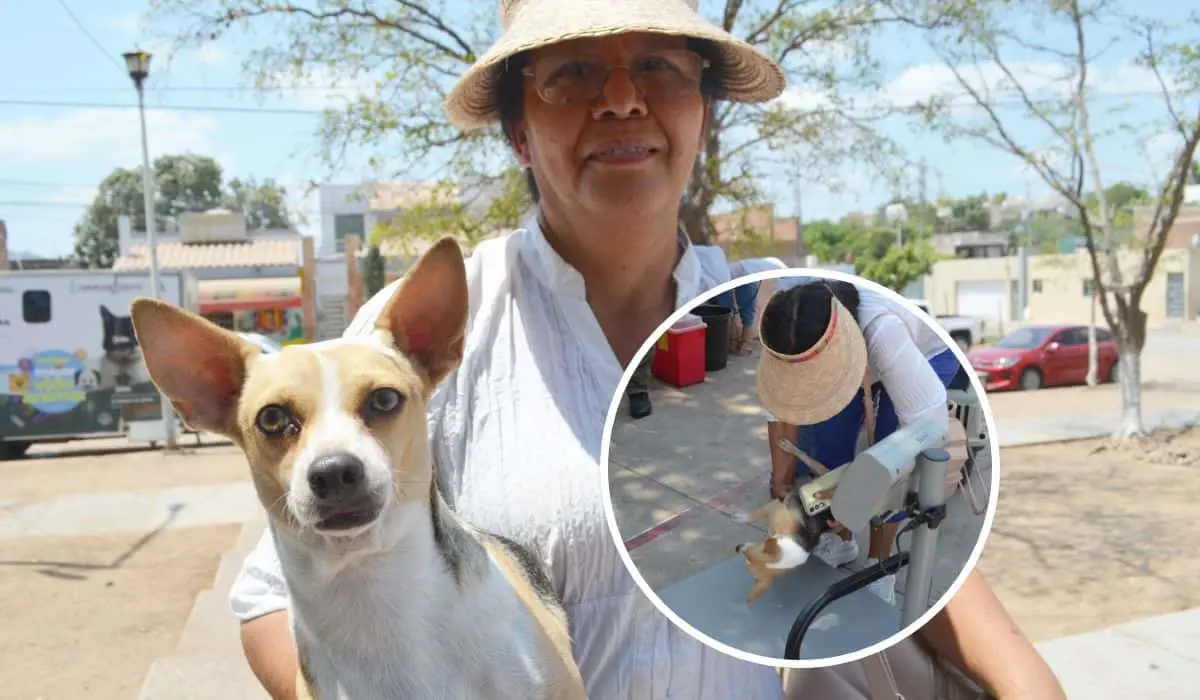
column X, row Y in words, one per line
column 921, row 184
column 1023, row 236
column 138, row 64
column 801, row 250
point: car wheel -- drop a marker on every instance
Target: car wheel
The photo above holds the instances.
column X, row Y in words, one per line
column 14, row 450
column 964, row 342
column 1113, row 371
column 1031, row 380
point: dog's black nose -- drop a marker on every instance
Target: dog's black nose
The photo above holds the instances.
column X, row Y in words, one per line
column 336, row 477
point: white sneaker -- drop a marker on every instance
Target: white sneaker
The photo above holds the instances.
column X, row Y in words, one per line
column 835, row 551
column 884, row 588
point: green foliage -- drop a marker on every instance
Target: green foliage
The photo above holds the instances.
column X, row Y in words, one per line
column 900, row 266
column 374, row 274
column 873, row 250
column 403, row 58
column 469, row 216
column 264, row 204
column 183, row 183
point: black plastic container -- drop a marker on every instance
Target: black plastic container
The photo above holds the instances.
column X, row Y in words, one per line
column 718, row 320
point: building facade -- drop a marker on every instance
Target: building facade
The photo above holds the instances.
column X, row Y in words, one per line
column 1059, row 289
column 248, row 281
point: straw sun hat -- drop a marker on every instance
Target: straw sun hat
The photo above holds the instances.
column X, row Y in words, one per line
column 749, row 76
column 815, row 385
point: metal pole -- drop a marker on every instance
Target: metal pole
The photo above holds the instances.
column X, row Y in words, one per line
column 931, row 493
column 168, row 414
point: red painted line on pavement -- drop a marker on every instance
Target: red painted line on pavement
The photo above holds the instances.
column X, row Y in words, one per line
column 713, row 504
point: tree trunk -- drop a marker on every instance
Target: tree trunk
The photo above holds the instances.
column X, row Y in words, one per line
column 1093, row 373
column 1130, row 337
column 695, row 222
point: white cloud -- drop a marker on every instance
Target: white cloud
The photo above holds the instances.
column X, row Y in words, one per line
column 805, row 98
column 104, row 135
column 320, row 87
column 129, row 23
column 1040, row 79
column 1161, row 150
column 73, row 195
column 211, row 54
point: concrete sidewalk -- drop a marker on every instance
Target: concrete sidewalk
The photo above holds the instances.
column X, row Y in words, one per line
column 1083, row 426
column 139, row 512
column 1157, row 658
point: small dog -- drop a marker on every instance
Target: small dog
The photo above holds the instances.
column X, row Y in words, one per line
column 792, row 534
column 120, row 365
column 392, row 596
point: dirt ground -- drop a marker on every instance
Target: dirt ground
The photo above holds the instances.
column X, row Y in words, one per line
column 1087, row 535
column 84, row 617
column 74, row 468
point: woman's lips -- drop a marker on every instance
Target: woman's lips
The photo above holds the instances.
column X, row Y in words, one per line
column 624, row 154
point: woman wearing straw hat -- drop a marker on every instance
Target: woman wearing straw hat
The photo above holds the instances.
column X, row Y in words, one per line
column 604, row 104
column 826, row 342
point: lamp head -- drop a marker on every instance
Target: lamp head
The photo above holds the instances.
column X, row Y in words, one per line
column 137, row 62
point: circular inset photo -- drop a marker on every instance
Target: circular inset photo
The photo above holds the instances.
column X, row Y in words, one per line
column 799, row 468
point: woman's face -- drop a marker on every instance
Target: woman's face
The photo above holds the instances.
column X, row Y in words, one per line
column 618, row 152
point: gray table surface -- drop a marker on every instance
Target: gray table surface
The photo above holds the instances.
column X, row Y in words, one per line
column 714, row 602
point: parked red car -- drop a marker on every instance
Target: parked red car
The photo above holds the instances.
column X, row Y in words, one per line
column 1036, row 356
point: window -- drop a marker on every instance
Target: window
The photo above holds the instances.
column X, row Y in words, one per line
column 1037, row 286
column 1103, row 335
column 1088, row 287
column 35, row 306
column 1073, row 336
column 346, row 225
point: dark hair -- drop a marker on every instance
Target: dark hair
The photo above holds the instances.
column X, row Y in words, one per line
column 509, row 91
column 795, row 319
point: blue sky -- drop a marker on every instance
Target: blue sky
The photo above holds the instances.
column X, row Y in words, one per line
column 52, row 157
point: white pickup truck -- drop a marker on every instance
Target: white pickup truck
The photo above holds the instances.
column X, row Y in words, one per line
column 966, row 331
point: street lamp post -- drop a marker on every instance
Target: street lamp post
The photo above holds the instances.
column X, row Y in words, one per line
column 137, row 62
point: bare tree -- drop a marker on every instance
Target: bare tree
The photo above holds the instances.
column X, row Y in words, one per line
column 1052, row 89
column 404, row 55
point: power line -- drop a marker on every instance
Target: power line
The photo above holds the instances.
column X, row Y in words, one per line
column 46, row 205
column 37, row 183
column 177, row 108
column 91, row 38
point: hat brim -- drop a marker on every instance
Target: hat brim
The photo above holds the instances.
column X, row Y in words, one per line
column 747, row 74
column 815, row 385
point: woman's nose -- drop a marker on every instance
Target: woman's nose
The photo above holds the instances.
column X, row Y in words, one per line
column 620, row 98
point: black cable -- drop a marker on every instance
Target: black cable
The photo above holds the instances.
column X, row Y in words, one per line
column 854, row 582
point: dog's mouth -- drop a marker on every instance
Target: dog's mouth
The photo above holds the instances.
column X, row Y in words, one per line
column 341, row 520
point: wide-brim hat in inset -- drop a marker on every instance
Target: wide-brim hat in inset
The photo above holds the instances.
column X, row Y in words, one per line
column 748, row 75
column 813, row 386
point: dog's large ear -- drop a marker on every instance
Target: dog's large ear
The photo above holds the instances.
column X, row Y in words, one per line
column 426, row 318
column 199, row 366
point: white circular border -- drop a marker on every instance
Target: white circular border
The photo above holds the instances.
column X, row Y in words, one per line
column 972, row 560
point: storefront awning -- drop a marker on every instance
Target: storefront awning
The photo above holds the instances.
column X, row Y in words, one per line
column 218, row 296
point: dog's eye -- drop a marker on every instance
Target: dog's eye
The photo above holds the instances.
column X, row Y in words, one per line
column 273, row 420
column 382, row 402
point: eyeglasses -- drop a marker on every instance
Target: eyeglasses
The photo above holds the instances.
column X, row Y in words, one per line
column 661, row 74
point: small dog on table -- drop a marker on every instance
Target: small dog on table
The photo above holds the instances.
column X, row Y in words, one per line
column 792, row 533
column 392, row 595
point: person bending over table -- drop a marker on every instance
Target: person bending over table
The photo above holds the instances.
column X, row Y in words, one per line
column 832, row 340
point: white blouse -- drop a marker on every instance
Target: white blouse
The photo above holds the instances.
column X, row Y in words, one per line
column 516, row 433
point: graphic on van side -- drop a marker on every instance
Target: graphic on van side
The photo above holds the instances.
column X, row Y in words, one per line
column 54, row 391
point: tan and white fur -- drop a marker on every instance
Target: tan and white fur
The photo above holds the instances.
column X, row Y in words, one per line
column 392, row 595
column 791, row 536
